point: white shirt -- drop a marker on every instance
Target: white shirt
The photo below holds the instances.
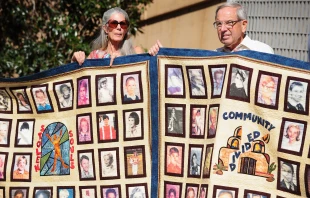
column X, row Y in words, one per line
column 249, row 44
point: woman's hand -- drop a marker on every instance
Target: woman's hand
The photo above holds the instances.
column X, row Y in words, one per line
column 155, row 48
column 79, row 57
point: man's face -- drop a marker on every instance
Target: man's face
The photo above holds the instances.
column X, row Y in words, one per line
column 21, row 164
column 106, row 160
column 85, row 165
column 232, row 37
column 174, row 158
column 40, row 97
column 286, row 173
column 66, row 92
column 225, row 195
column 19, row 195
column 106, row 121
column 111, row 195
column 297, row 93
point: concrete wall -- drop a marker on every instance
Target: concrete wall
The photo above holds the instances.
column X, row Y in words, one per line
column 180, row 24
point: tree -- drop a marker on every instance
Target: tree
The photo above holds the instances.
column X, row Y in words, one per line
column 36, row 35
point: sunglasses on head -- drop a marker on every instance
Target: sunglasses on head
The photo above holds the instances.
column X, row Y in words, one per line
column 113, row 24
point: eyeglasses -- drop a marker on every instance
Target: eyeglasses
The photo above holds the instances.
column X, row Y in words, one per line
column 229, row 24
column 113, row 24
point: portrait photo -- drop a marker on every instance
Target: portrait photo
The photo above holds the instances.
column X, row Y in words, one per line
column 65, row 192
column 174, row 81
column 291, row 139
column 83, row 92
column 25, row 130
column 64, row 94
column 105, row 86
column 111, row 191
column 84, row 128
column 297, row 96
column 212, row 120
column 191, row 190
column 207, row 161
column 137, row 190
column 88, row 191
column 109, row 163
column 288, row 179
column 225, row 192
column 43, row 192
column 196, row 81
column 21, row 164
column 132, row 91
column 22, row 100
column 133, row 120
column 195, row 160
column 19, row 192
column 239, row 83
column 5, row 131
column 267, row 87
column 172, row 189
column 42, row 99
column 107, row 126
column 174, row 159
column 217, row 73
column 175, row 120
column 203, row 191
column 255, row 194
column 3, row 164
column 198, row 117
column 5, row 101
column 135, row 161
column 86, row 164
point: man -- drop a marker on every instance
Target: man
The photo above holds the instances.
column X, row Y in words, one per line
column 197, row 83
column 213, row 121
column 287, row 175
column 84, row 164
column 134, row 161
column 231, row 23
column 110, row 193
column 106, row 131
column 218, row 81
column 19, row 194
column 41, row 100
column 20, row 172
column 297, row 96
column 173, row 166
column 66, row 99
column 225, row 194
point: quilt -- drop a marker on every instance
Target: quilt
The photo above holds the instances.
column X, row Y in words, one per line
column 185, row 123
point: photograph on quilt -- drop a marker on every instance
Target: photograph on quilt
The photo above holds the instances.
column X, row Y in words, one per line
column 196, row 81
column 198, row 117
column 106, row 88
column 24, row 133
column 22, row 100
column 64, row 95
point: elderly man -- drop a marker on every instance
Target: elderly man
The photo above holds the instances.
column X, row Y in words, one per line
column 231, row 23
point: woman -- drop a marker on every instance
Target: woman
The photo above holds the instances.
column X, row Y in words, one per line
column 133, row 125
column 266, row 94
column 173, row 126
column 113, row 40
column 195, row 168
column 292, row 138
column 237, row 87
column 84, row 130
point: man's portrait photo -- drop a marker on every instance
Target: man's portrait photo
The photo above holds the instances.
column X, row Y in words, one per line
column 174, row 81
column 64, row 92
column 5, row 128
column 83, row 93
column 137, row 190
column 212, row 121
column 207, row 162
column 267, row 93
column 5, row 101
column 255, row 194
column 288, row 180
column 42, row 99
column 292, row 136
column 109, row 164
column 174, row 159
column 173, row 189
column 217, row 73
column 107, row 126
column 112, row 191
column 197, row 82
column 134, row 161
column 43, row 192
column 195, row 160
column 297, row 96
column 175, row 122
column 84, row 128
column 198, row 117
column 86, row 165
column 66, row 192
column 131, row 87
column 88, row 191
column 25, row 130
column 105, row 89
column 133, row 122
column 21, row 170
column 19, row 192
column 22, row 100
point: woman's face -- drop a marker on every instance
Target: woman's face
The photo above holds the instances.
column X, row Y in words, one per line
column 117, row 34
column 268, row 89
column 131, row 122
column 131, row 87
column 238, row 81
column 82, row 92
column 84, row 126
column 292, row 133
column 297, row 93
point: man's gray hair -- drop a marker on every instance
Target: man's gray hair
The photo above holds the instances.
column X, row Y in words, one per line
column 241, row 11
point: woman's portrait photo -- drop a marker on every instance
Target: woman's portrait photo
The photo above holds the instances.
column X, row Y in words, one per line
column 133, row 120
column 3, row 163
column 109, row 164
column 22, row 100
column 217, row 73
column 19, row 192
column 21, row 170
column 239, row 83
column 111, row 191
column 83, row 93
column 86, row 165
column 42, row 99
column 84, row 128
column 207, row 162
column 212, row 121
column 132, row 87
column 174, row 159
column 198, row 117
column 107, row 126
column 267, row 93
column 106, row 89
column 191, row 190
column 174, row 81
column 5, row 102
column 292, row 136
column 25, row 130
column 197, row 82
column 134, row 161
column 64, row 94
column 297, row 96
column 66, row 192
column 175, row 122
column 137, row 190
column 5, row 131
column 172, row 189
column 195, row 160
column 88, row 191
column 288, row 180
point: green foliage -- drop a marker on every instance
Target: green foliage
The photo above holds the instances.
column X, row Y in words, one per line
column 36, row 35
column 272, row 167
